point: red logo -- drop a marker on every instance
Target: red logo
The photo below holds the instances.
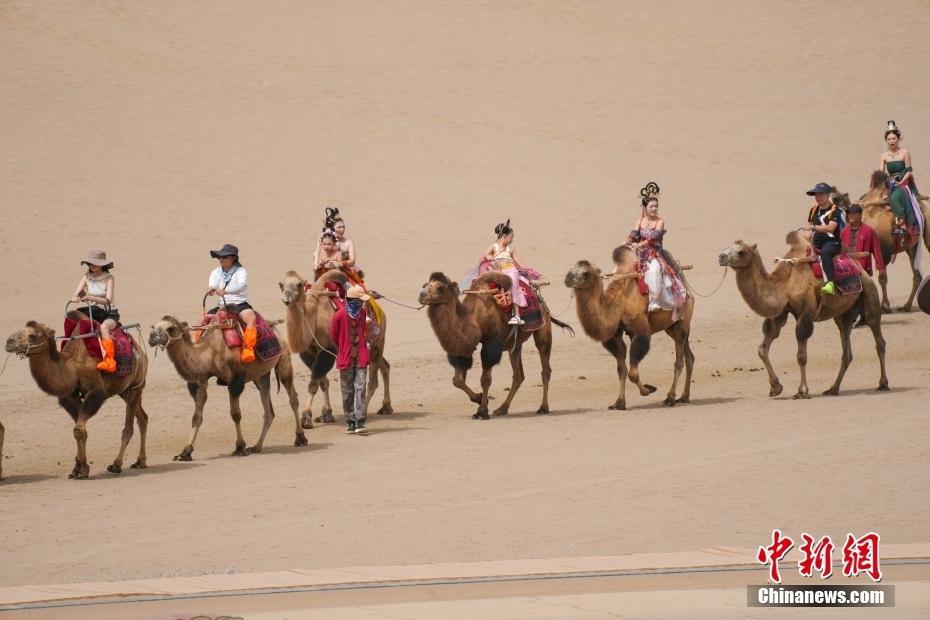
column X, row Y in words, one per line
column 774, row 553
column 817, row 557
column 861, row 555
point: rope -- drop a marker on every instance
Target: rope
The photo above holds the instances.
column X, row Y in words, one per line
column 571, row 298
column 9, row 355
column 397, row 303
column 713, row 292
column 313, row 335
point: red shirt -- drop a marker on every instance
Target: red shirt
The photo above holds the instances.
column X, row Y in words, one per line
column 340, row 332
column 864, row 239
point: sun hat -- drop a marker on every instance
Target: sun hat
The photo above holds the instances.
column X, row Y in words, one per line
column 357, row 292
column 98, row 258
column 820, row 188
column 227, row 250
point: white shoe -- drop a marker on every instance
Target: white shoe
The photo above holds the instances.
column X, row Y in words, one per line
column 653, row 306
column 516, row 320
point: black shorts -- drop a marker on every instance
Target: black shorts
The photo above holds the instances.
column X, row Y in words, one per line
column 102, row 313
column 234, row 308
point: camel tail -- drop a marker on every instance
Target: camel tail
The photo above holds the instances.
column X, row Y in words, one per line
column 564, row 326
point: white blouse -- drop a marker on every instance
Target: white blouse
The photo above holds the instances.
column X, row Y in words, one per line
column 236, row 284
column 97, row 287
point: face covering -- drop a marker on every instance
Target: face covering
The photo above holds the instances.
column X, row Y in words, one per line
column 354, row 307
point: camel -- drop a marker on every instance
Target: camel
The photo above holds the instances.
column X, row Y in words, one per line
column 461, row 326
column 71, row 376
column 877, row 214
column 211, row 357
column 307, row 317
column 792, row 289
column 1, row 451
column 607, row 313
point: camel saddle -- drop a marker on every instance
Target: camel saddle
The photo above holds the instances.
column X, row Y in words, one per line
column 121, row 343
column 267, row 346
column 845, row 269
column 532, row 314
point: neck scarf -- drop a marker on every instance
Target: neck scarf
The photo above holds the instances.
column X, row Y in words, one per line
column 354, row 307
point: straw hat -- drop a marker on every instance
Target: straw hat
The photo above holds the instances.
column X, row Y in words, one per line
column 98, row 258
column 357, row 292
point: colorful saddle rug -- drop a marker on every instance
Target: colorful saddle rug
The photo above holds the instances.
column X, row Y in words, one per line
column 845, row 270
column 267, row 346
column 121, row 343
column 531, row 314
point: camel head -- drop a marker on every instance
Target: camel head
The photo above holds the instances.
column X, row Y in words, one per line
column 840, row 199
column 292, row 287
column 438, row 290
column 583, row 275
column 738, row 256
column 31, row 339
column 166, row 331
column 879, row 180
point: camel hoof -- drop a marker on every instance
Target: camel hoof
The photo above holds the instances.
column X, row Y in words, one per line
column 140, row 464
column 886, row 310
column 500, row 412
column 114, row 469
column 243, row 451
column 684, row 399
column 776, row 390
column 669, row 401
column 300, row 440
column 904, row 308
column 832, row 392
column 542, row 411
column 801, row 396
column 882, row 388
column 618, row 406
column 306, row 420
column 481, row 416
column 185, row 454
column 254, row 450
column 79, row 473
column 649, row 389
column 386, row 410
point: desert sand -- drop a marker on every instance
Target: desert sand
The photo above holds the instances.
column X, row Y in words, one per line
column 160, row 130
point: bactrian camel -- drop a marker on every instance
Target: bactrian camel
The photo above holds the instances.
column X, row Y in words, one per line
column 212, row 357
column 608, row 312
column 307, row 317
column 792, row 289
column 1, row 451
column 877, row 214
column 71, row 376
column 461, row 325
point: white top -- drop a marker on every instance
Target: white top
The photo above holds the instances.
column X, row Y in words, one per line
column 97, row 287
column 235, row 282
column 503, row 255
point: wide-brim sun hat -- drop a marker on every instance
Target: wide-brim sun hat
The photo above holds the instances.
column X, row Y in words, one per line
column 357, row 292
column 97, row 258
column 227, row 250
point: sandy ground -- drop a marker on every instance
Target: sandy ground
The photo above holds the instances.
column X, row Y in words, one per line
column 160, row 130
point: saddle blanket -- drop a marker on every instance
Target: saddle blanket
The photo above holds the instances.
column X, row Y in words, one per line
column 267, row 346
column 121, row 343
column 532, row 314
column 845, row 269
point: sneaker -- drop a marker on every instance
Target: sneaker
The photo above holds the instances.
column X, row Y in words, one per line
column 350, row 428
column 653, row 306
column 360, row 428
column 516, row 320
column 829, row 289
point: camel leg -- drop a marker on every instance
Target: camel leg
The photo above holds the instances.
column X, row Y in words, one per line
column 117, row 466
column 771, row 328
column 326, row 413
column 874, row 319
column 883, row 281
column 198, row 392
column 803, row 331
column 385, row 367
column 689, row 367
column 915, row 278
column 300, row 439
column 373, row 368
column 89, row 406
column 639, row 347
column 680, row 336
column 1, row 451
column 516, row 364
column 617, row 348
column 482, row 413
column 458, row 380
column 543, row 340
column 264, row 389
column 142, row 420
column 845, row 324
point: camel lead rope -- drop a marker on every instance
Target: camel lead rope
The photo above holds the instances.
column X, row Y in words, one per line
column 712, row 293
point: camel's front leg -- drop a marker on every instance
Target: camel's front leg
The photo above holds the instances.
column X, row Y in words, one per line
column 300, row 439
column 771, row 328
column 883, row 282
column 803, row 331
column 516, row 364
column 459, row 376
column 617, row 348
column 845, row 325
column 385, row 368
column 263, row 384
column 198, row 392
column 89, row 406
column 326, row 413
column 915, row 278
column 639, row 347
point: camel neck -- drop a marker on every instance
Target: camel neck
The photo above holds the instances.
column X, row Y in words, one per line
column 759, row 291
column 51, row 375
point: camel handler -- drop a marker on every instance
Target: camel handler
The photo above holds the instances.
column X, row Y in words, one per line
column 348, row 330
column 857, row 236
column 825, row 221
column 231, row 281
